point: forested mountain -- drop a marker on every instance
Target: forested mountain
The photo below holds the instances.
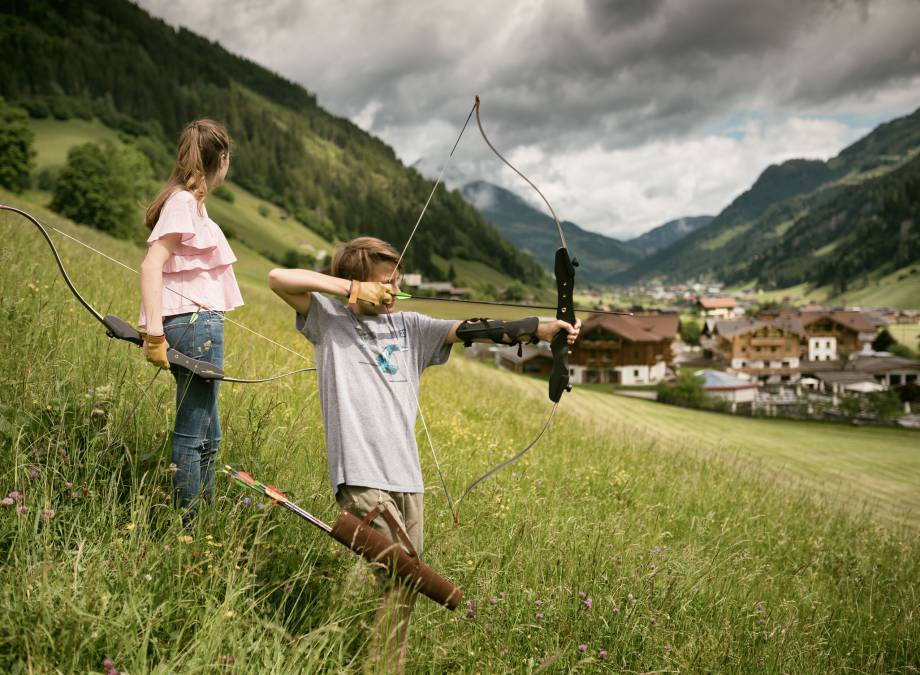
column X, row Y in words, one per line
column 111, row 60
column 665, row 235
column 534, row 232
column 761, row 235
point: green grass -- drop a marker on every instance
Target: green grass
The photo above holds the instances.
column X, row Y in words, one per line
column 906, row 333
column 899, row 289
column 725, row 236
column 270, row 233
column 54, row 138
column 707, row 543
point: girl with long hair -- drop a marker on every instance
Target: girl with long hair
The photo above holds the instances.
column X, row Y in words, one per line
column 187, row 283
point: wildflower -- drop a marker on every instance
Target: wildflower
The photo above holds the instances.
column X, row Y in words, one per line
column 538, row 603
column 582, row 648
column 653, row 621
column 21, row 510
column 229, row 614
column 108, row 664
column 75, row 494
column 68, row 485
column 470, row 609
column 581, row 595
column 616, row 610
column 47, row 514
column 260, row 506
column 15, row 495
column 501, row 595
column 186, row 538
column 493, row 600
column 588, row 602
column 7, row 501
column 130, row 526
column 602, row 655
column 539, row 616
column 247, row 501
column 631, row 597
column 33, row 473
column 147, row 577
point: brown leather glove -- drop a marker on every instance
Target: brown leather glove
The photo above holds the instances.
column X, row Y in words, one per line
column 371, row 292
column 155, row 347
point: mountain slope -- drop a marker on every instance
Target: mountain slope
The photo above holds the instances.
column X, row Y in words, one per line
column 763, row 216
column 534, row 232
column 665, row 235
column 110, row 60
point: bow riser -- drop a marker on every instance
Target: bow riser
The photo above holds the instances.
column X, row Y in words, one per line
column 565, row 311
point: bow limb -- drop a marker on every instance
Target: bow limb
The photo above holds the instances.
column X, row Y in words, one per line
column 564, row 271
column 120, row 329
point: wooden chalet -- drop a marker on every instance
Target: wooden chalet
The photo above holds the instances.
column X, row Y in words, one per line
column 767, row 350
column 628, row 350
column 833, row 335
column 717, row 307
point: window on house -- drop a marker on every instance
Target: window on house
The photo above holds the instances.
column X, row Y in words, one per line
column 635, row 373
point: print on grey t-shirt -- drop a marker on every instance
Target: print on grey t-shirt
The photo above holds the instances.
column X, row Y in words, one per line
column 368, row 377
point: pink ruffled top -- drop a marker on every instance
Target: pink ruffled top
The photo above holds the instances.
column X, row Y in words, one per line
column 199, row 273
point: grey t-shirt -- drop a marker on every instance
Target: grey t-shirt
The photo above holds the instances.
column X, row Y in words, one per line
column 368, row 370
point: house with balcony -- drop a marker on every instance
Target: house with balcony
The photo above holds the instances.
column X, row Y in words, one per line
column 625, row 350
column 717, row 307
column 833, row 335
column 769, row 351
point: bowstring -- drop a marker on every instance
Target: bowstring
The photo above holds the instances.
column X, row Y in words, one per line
column 402, row 254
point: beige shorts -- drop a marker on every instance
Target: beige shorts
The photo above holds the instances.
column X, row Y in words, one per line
column 407, row 509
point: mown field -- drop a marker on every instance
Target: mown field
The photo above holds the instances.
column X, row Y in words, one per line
column 633, row 538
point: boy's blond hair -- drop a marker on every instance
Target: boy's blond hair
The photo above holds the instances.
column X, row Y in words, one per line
column 356, row 259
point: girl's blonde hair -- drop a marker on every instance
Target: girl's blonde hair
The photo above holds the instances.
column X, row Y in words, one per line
column 201, row 146
column 356, row 259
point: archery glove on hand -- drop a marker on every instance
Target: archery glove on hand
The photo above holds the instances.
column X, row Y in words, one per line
column 155, row 347
column 372, row 292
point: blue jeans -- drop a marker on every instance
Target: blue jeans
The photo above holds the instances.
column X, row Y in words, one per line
column 196, row 434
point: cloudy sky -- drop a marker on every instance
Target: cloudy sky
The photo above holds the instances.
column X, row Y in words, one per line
column 625, row 113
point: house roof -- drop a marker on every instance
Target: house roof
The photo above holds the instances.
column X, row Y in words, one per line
column 642, row 328
column 716, row 380
column 857, row 321
column 883, row 364
column 716, row 303
column 843, row 377
column 729, row 328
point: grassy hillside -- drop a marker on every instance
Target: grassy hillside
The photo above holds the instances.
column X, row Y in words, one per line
column 109, row 60
column 702, row 543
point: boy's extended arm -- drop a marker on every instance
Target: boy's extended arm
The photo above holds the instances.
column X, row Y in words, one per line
column 545, row 331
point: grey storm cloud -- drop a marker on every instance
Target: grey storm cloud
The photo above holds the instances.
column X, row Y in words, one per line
column 569, row 76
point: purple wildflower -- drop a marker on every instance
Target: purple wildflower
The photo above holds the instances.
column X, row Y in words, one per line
column 470, row 609
column 602, row 655
column 21, row 510
column 616, row 610
column 47, row 514
column 7, row 501
column 588, row 602
column 247, row 501
column 15, row 495
column 108, row 663
column 582, row 648
column 581, row 594
column 33, row 473
column 68, row 485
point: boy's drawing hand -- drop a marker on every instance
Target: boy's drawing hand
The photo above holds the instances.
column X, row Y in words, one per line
column 372, row 292
column 548, row 329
